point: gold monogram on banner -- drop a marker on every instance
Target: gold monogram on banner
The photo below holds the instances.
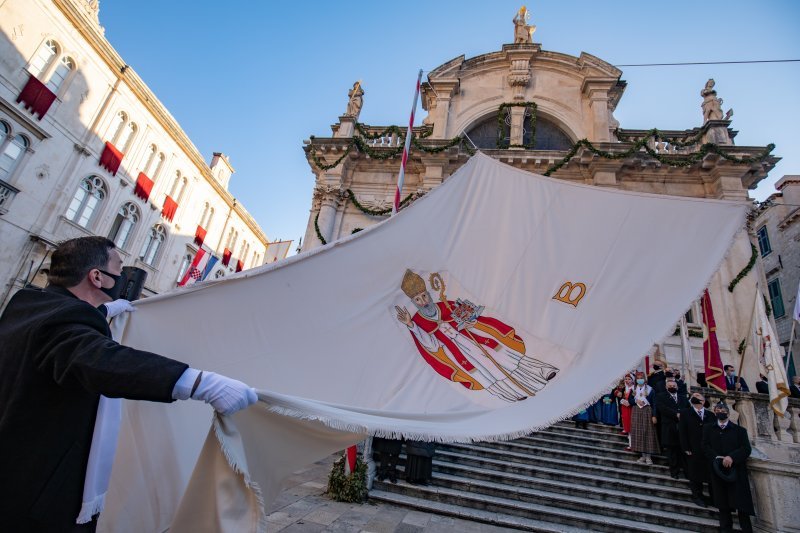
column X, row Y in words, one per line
column 567, row 293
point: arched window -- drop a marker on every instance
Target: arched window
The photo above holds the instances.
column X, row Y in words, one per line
column 185, row 262
column 254, row 261
column 178, row 187
column 87, row 198
column 207, row 225
column 117, row 127
column 12, row 152
column 233, row 236
column 64, row 67
column 152, row 154
column 243, row 250
column 43, row 58
column 159, row 163
column 125, row 221
column 152, row 244
column 126, row 139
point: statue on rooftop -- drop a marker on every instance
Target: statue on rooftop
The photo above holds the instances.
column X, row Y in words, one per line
column 712, row 106
column 523, row 32
column 356, row 101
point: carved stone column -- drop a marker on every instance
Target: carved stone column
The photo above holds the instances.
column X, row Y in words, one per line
column 596, row 92
column 329, row 198
column 436, row 96
column 517, row 132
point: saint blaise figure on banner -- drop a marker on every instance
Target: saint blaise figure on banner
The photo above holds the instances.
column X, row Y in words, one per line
column 480, row 352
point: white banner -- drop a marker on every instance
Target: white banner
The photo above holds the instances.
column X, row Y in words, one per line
column 500, row 302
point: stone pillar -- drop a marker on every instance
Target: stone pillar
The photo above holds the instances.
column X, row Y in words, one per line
column 724, row 179
column 347, row 125
column 434, row 171
column 605, row 174
column 436, row 96
column 595, row 91
column 329, row 198
column 517, row 125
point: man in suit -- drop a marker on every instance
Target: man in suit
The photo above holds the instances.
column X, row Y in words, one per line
column 56, row 360
column 795, row 387
column 692, row 421
column 668, row 405
column 728, row 445
column 732, row 382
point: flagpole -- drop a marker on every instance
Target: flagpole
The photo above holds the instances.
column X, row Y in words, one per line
column 790, row 353
column 744, row 351
column 401, row 176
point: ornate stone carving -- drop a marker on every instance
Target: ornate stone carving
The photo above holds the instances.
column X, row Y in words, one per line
column 356, row 101
column 330, row 195
column 523, row 32
column 519, row 77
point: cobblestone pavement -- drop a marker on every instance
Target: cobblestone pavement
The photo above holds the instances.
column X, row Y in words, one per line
column 303, row 507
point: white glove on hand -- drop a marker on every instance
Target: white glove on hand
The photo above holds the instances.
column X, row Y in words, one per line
column 117, row 307
column 225, row 395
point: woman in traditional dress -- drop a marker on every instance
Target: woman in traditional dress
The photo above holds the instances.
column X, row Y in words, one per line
column 609, row 413
column 626, row 401
column 643, row 432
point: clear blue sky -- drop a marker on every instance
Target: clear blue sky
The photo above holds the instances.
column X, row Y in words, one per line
column 253, row 79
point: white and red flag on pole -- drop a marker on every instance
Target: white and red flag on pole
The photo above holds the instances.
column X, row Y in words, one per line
column 401, row 176
column 195, row 271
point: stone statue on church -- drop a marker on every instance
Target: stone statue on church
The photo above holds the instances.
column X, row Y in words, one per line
column 523, row 32
column 356, row 101
column 712, row 106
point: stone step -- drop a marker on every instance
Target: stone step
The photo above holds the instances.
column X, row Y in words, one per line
column 597, row 428
column 548, row 506
column 597, row 447
column 521, row 462
column 623, row 460
column 604, row 432
column 501, row 471
column 507, row 485
column 614, row 442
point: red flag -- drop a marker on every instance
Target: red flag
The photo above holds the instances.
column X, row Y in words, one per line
column 350, row 460
column 711, row 357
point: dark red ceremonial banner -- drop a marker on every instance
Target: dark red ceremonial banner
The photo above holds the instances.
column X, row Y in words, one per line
column 36, row 97
column 199, row 235
column 170, row 206
column 111, row 158
column 144, row 186
column 711, row 356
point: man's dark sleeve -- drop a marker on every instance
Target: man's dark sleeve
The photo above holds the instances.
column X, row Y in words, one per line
column 708, row 450
column 745, row 388
column 683, row 430
column 743, row 449
column 78, row 354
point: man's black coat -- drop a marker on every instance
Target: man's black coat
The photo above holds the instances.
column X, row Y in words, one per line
column 56, row 359
column 731, row 441
column 690, row 431
column 668, row 410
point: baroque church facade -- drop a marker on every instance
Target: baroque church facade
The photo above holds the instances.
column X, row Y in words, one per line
column 88, row 149
column 553, row 114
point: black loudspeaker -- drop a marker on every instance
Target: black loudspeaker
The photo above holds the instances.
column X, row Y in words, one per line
column 134, row 283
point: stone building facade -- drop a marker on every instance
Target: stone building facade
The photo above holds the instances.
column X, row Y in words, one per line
column 87, row 148
column 777, row 230
column 529, row 107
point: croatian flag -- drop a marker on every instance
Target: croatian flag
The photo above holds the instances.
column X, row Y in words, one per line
column 199, row 268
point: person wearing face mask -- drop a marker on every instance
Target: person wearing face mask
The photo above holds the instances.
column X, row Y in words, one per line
column 732, row 382
column 643, row 433
column 692, row 421
column 58, row 367
column 657, row 377
column 669, row 404
column 727, row 446
column 626, row 401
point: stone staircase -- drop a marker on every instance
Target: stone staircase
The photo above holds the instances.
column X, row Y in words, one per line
column 560, row 479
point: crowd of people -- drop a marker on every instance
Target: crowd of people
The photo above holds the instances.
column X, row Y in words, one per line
column 660, row 417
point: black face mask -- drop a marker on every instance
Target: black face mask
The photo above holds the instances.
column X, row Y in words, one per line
column 668, row 374
column 656, row 368
column 119, row 284
column 695, row 401
column 672, row 390
column 722, row 417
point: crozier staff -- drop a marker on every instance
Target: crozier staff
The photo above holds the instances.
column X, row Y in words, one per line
column 56, row 360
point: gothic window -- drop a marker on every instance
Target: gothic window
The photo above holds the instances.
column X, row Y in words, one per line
column 125, row 221
column 243, row 250
column 153, row 244
column 126, row 139
column 44, row 58
column 12, row 152
column 117, row 126
column 233, row 236
column 178, row 187
column 155, row 160
column 87, row 198
column 64, row 67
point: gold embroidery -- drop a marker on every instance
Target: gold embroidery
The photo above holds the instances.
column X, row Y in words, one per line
column 565, row 293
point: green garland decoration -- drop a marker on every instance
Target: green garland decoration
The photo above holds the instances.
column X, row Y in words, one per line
column 767, row 306
column 344, row 488
column 746, row 270
column 319, row 233
column 741, row 347
column 374, row 212
column 691, row 332
column 530, row 107
column 687, row 160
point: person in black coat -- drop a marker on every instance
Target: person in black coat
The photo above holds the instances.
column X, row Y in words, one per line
column 762, row 385
column 386, row 453
column 692, row 421
column 795, row 387
column 668, row 405
column 728, row 445
column 56, row 359
column 419, row 461
column 732, row 382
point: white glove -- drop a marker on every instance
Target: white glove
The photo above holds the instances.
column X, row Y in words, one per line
column 225, row 395
column 117, row 307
